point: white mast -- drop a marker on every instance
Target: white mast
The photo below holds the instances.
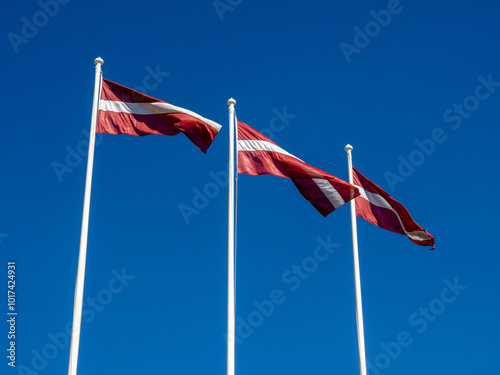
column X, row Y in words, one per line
column 82, row 257
column 230, row 247
column 357, row 281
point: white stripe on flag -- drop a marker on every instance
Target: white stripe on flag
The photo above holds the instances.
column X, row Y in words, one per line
column 379, row 201
column 256, row 145
column 330, row 192
column 375, row 199
column 157, row 108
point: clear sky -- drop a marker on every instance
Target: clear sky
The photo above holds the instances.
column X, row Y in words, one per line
column 414, row 86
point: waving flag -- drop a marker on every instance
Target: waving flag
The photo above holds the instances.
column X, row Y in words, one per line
column 379, row 208
column 258, row 155
column 126, row 111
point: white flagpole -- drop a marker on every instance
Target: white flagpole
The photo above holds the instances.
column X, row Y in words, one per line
column 82, row 257
column 357, row 281
column 230, row 247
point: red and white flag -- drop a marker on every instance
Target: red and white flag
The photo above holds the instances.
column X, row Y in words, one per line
column 126, row 111
column 379, row 208
column 258, row 155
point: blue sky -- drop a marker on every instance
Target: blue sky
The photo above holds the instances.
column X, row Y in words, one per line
column 414, row 86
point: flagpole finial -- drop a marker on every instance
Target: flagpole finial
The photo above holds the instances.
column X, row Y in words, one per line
column 231, row 102
column 348, row 148
column 99, row 61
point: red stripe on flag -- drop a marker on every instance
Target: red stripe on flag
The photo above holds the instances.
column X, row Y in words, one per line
column 114, row 91
column 310, row 190
column 258, row 163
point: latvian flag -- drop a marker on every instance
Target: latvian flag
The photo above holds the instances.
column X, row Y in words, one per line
column 379, row 208
column 258, row 155
column 126, row 111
